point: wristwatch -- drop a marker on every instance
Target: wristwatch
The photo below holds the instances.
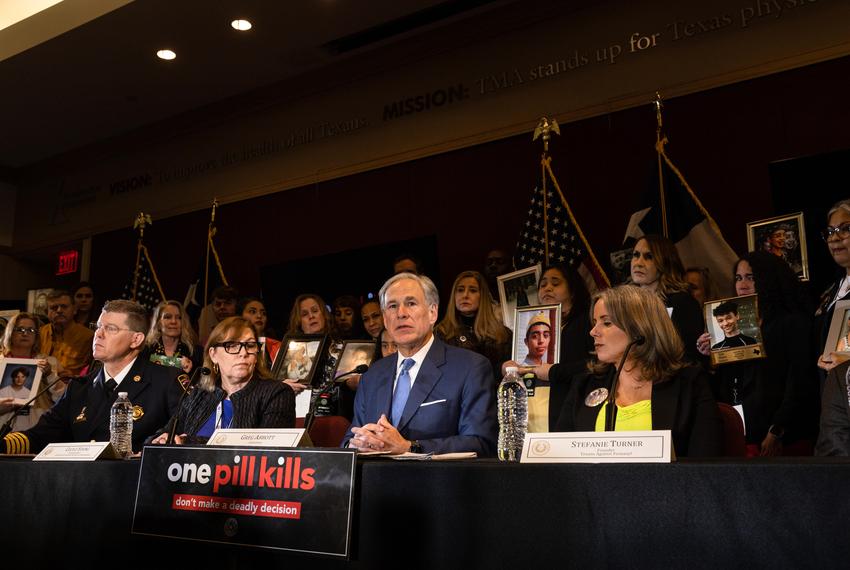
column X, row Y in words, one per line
column 415, row 447
column 776, row 430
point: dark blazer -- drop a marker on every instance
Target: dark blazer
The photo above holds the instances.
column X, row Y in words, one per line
column 683, row 404
column 260, row 404
column 82, row 413
column 460, row 384
column 834, row 437
column 688, row 320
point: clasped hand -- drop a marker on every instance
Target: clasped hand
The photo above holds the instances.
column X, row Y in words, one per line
column 380, row 436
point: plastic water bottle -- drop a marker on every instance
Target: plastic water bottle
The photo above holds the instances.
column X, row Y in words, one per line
column 121, row 425
column 513, row 415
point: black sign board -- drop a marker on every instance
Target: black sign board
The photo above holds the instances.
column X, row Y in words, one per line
column 286, row 499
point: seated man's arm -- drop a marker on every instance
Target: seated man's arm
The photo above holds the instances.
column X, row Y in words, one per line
column 477, row 427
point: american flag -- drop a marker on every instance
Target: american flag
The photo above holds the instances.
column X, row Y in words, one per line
column 567, row 244
column 148, row 290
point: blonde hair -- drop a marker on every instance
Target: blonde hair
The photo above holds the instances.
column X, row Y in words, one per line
column 187, row 333
column 486, row 326
column 13, row 323
column 229, row 329
column 640, row 313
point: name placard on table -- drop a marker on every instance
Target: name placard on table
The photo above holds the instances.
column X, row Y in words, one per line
column 282, row 499
column 598, row 447
column 77, row 452
column 280, row 437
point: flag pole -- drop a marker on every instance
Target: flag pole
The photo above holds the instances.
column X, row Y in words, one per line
column 210, row 234
column 545, row 128
column 660, row 141
column 139, row 223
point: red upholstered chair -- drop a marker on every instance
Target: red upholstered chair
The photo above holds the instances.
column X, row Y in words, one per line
column 328, row 431
column 734, row 442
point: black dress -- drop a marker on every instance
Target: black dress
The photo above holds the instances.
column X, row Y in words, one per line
column 576, row 346
column 496, row 352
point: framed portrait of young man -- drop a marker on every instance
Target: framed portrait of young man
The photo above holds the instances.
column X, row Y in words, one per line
column 733, row 325
column 537, row 335
column 20, row 378
column 784, row 237
column 518, row 289
column 300, row 358
column 838, row 339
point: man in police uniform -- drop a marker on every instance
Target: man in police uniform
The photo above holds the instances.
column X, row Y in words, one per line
column 82, row 413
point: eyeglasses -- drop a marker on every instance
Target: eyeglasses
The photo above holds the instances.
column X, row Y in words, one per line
column 843, row 231
column 234, row 347
column 108, row 329
column 24, row 330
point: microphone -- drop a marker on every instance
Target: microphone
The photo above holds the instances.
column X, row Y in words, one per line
column 7, row 427
column 611, row 408
column 360, row 369
column 201, row 370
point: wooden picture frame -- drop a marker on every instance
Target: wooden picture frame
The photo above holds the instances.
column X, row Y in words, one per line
column 790, row 245
column 740, row 316
column 838, row 340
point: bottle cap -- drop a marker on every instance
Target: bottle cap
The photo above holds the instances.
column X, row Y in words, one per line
column 122, row 394
column 512, row 370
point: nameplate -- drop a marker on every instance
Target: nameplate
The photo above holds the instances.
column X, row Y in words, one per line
column 297, row 500
column 598, row 447
column 258, row 437
column 77, row 452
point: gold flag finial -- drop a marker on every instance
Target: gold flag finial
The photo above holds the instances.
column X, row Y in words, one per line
column 142, row 220
column 658, row 102
column 545, row 128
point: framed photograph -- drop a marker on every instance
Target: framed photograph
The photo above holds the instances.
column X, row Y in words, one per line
column 300, row 358
column 621, row 265
column 20, row 379
column 783, row 236
column 537, row 335
column 37, row 301
column 354, row 353
column 733, row 326
column 518, row 289
column 838, row 340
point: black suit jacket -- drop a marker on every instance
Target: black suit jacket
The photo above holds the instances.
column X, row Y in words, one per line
column 683, row 404
column 82, row 413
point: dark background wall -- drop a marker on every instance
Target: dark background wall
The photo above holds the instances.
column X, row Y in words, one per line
column 724, row 141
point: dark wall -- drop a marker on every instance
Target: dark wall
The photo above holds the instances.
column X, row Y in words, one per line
column 723, row 140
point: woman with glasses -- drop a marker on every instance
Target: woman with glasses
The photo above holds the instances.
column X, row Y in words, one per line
column 238, row 393
column 171, row 341
column 837, row 238
column 21, row 340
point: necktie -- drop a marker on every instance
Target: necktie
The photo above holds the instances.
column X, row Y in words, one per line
column 109, row 386
column 402, row 390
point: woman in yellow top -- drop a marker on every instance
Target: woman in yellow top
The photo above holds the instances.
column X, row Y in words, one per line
column 657, row 388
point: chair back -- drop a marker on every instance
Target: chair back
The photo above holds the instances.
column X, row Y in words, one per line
column 328, row 431
column 734, row 441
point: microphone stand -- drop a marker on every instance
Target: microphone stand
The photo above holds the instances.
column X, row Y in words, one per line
column 311, row 414
column 611, row 408
column 173, row 431
column 7, row 427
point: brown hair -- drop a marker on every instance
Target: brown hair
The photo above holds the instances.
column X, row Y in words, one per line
column 229, row 329
column 486, row 326
column 640, row 313
column 137, row 315
column 295, row 314
column 671, row 272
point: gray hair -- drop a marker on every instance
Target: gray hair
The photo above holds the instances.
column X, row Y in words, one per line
column 840, row 205
column 432, row 297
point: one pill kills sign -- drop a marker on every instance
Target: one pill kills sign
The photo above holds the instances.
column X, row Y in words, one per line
column 297, row 499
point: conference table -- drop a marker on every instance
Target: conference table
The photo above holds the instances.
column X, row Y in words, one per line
column 757, row 513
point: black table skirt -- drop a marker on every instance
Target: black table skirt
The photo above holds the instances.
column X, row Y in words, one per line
column 473, row 514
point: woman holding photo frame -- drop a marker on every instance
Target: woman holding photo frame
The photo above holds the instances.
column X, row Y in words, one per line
column 560, row 283
column 778, row 394
column 21, row 340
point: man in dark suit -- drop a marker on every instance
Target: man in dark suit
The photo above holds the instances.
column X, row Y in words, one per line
column 82, row 413
column 431, row 398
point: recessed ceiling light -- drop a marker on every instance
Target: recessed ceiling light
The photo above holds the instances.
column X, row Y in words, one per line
column 241, row 25
column 166, row 54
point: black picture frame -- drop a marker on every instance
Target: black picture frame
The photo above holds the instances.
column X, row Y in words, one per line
column 290, row 363
column 349, row 358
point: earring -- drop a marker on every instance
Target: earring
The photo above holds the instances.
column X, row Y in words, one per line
column 216, row 368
